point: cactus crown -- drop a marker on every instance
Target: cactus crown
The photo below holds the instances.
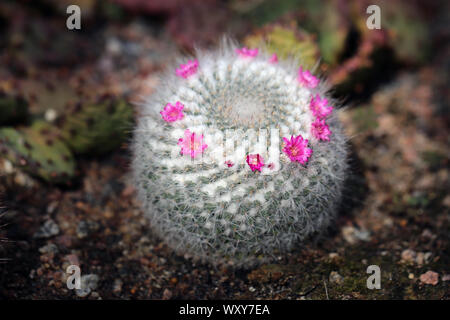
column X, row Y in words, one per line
column 238, row 156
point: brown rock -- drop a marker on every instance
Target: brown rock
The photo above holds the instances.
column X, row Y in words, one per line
column 167, row 294
column 408, row 255
column 430, row 277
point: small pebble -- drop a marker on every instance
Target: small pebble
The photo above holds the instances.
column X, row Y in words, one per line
column 117, row 287
column 85, row 228
column 8, row 167
column 335, row 277
column 333, row 255
column 428, row 234
column 423, row 258
column 89, row 283
column 50, row 115
column 408, row 255
column 352, row 235
column 47, row 230
column 49, row 248
column 167, row 294
column 430, row 277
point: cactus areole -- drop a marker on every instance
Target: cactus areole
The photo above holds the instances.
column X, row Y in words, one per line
column 238, row 157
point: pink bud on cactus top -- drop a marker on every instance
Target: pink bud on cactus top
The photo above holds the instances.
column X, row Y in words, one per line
column 188, row 69
column 245, row 52
column 273, row 58
column 307, row 79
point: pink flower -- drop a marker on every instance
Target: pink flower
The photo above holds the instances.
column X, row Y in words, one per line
column 191, row 144
column 255, row 161
column 273, row 58
column 245, row 52
column 296, row 149
column 172, row 112
column 229, row 163
column 188, row 69
column 320, row 130
column 307, row 79
column 319, row 107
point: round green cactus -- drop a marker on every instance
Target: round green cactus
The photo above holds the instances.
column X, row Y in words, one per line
column 238, row 157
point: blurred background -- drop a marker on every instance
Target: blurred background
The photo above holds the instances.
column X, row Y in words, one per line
column 67, row 107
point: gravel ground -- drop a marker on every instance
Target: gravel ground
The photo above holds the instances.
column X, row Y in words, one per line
column 395, row 214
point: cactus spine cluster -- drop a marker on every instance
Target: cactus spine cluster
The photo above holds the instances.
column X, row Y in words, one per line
column 274, row 188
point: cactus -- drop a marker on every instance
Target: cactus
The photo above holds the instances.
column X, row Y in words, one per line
column 333, row 29
column 38, row 151
column 286, row 41
column 326, row 19
column 96, row 128
column 240, row 206
column 12, row 108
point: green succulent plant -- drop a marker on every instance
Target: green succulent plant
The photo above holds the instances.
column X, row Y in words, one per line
column 39, row 151
column 286, row 42
column 96, row 128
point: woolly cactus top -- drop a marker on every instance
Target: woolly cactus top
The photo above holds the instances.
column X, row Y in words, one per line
column 238, row 156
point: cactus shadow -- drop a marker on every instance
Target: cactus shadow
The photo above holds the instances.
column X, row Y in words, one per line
column 355, row 191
